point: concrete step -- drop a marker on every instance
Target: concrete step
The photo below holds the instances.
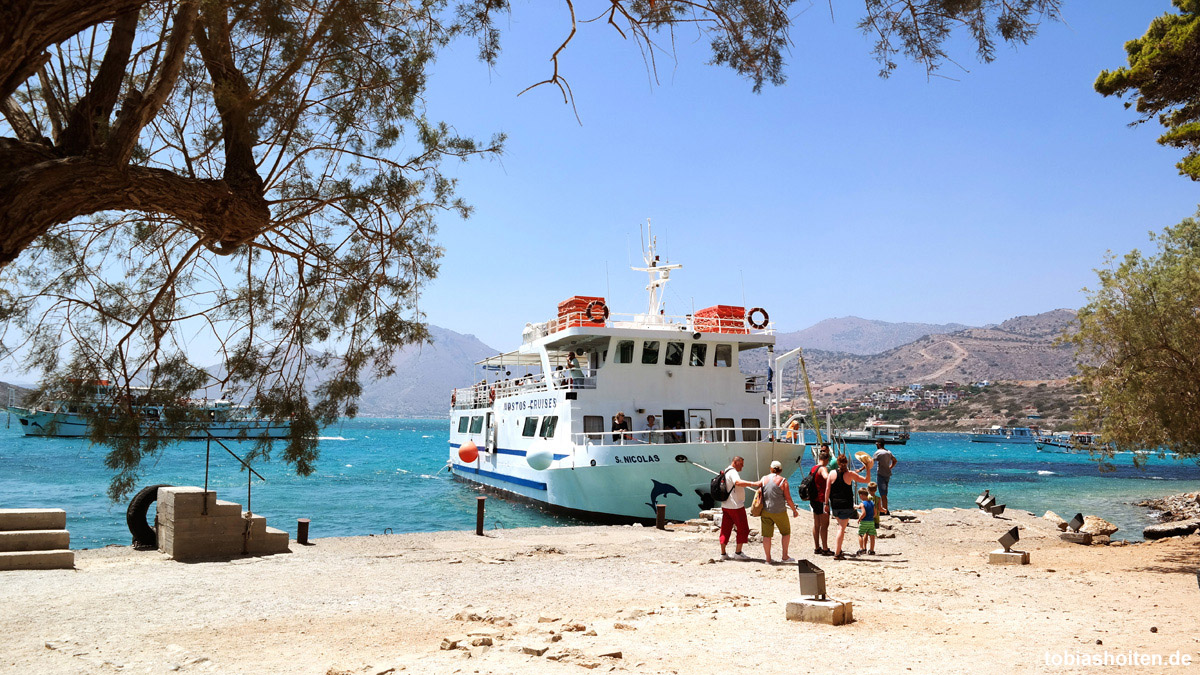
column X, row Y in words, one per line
column 272, row 541
column 32, row 519
column 37, row 560
column 35, row 540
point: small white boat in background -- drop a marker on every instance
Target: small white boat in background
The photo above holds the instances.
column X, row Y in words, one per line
column 1001, row 434
column 214, row 418
column 875, row 431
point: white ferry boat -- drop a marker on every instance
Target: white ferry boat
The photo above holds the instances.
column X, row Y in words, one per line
column 541, row 428
column 1002, row 434
column 876, row 431
column 215, row 418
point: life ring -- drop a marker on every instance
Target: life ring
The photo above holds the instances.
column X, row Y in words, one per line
column 144, row 535
column 492, row 395
column 591, row 306
column 757, row 325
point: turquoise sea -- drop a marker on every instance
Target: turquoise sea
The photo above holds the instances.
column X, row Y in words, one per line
column 387, row 475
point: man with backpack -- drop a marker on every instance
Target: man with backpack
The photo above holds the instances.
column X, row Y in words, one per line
column 730, row 490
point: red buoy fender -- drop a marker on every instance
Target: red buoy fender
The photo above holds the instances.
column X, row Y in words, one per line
column 757, row 324
column 468, row 452
column 591, row 309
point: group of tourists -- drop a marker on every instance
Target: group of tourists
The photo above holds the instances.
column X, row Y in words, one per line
column 830, row 492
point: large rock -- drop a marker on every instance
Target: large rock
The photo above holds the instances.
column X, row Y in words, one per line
column 1056, row 520
column 1096, row 526
column 1179, row 528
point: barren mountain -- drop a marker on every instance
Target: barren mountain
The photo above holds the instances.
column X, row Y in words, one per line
column 860, row 336
column 1018, row 349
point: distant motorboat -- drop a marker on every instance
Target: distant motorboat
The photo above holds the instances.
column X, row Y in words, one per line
column 1070, row 440
column 1002, row 434
column 213, row 418
column 875, row 431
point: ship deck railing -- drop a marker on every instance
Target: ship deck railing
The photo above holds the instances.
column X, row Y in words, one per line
column 677, row 436
column 483, row 394
column 707, row 324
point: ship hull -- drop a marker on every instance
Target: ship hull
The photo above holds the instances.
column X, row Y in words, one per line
column 622, row 483
column 69, row 425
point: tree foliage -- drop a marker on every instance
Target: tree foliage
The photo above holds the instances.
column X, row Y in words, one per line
column 261, row 175
column 1163, row 80
column 1138, row 347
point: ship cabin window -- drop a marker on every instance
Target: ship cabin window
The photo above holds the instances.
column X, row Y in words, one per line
column 462, row 424
column 674, row 354
column 593, row 427
column 477, row 424
column 723, row 358
column 549, row 423
column 723, row 423
column 650, row 352
column 624, row 351
column 699, row 351
column 750, row 427
column 530, row 427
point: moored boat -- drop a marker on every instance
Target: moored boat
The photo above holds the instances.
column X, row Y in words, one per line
column 1002, row 434
column 544, row 428
column 875, row 431
column 220, row 418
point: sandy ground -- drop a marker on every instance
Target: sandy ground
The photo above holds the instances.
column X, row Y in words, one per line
column 576, row 597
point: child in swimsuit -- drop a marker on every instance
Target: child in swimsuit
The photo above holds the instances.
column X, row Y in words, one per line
column 866, row 522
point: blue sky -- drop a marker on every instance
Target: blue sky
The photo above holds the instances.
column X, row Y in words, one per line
column 988, row 193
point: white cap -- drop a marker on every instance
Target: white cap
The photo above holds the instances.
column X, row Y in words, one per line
column 776, row 465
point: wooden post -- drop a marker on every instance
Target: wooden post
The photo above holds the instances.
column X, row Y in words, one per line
column 479, row 515
column 660, row 512
column 302, row 531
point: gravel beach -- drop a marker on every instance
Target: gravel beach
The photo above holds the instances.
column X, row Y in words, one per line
column 571, row 599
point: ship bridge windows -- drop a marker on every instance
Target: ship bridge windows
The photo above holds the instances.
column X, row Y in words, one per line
column 530, row 428
column 650, row 352
column 674, row 354
column 624, row 353
column 723, row 357
column 462, row 424
column 477, row 424
column 549, row 424
column 699, row 352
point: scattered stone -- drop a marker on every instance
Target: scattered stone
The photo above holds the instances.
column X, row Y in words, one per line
column 546, row 619
column 636, row 614
column 577, row 627
column 611, row 654
column 623, row 626
column 1095, row 526
column 1056, row 520
column 1118, row 542
column 555, row 638
column 1179, row 528
column 467, row 616
column 591, row 633
column 534, row 651
column 452, row 642
column 1153, row 629
column 482, row 641
column 1101, row 540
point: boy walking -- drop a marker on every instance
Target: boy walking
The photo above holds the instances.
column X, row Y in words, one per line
column 866, row 522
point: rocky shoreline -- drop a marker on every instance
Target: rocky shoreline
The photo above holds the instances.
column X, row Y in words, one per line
column 1179, row 515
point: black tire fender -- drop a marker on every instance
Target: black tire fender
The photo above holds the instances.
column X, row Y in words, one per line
column 135, row 516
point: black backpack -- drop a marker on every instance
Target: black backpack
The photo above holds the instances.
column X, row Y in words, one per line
column 717, row 487
column 807, row 487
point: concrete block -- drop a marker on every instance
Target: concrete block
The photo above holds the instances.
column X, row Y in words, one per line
column 37, row 560
column 185, row 501
column 272, row 541
column 1002, row 557
column 32, row 519
column 35, row 540
column 1084, row 538
column 830, row 612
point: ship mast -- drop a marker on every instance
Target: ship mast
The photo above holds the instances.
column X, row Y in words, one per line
column 659, row 273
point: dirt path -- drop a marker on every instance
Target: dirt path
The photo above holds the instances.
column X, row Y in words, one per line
column 959, row 358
